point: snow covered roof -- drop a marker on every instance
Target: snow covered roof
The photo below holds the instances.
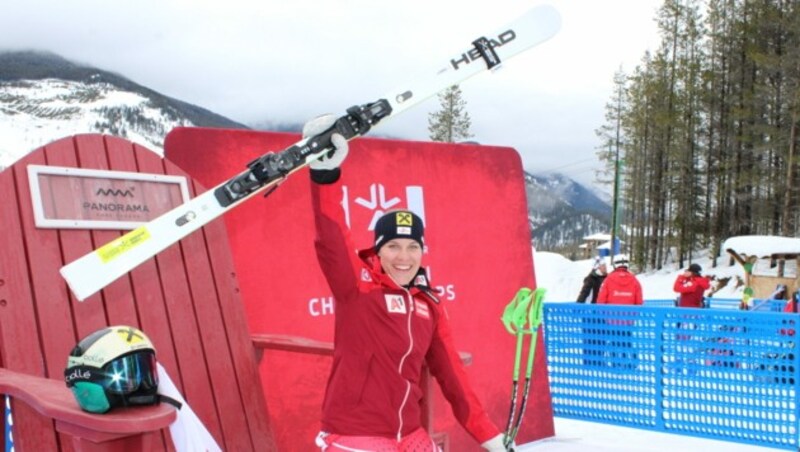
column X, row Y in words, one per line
column 762, row 245
column 598, row 237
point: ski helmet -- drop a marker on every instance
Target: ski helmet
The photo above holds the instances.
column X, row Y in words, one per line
column 113, row 367
column 621, row 260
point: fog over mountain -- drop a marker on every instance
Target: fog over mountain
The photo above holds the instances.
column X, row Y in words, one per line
column 44, row 97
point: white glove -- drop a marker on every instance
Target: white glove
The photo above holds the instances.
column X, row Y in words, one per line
column 327, row 161
column 496, row 444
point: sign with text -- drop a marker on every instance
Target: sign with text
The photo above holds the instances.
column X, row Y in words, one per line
column 79, row 198
column 473, row 203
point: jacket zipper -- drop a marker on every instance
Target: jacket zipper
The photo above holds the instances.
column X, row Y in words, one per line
column 402, row 361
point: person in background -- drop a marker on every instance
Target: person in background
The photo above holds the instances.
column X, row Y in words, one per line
column 691, row 286
column 791, row 305
column 388, row 324
column 593, row 281
column 779, row 293
column 591, row 286
column 620, row 286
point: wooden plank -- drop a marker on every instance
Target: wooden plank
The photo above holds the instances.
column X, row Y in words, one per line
column 54, row 400
column 289, row 343
column 83, row 318
column 62, row 320
column 112, row 153
column 20, row 344
column 221, row 370
column 150, row 306
column 51, row 301
column 242, row 352
column 94, row 151
column 183, row 323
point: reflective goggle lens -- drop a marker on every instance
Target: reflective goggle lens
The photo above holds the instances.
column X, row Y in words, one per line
column 130, row 373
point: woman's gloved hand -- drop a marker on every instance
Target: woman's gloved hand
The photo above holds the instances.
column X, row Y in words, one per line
column 330, row 160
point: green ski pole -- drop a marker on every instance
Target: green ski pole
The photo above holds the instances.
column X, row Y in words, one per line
column 525, row 309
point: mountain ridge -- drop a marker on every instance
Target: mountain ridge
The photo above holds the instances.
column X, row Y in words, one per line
column 562, row 211
column 39, row 65
column 44, row 97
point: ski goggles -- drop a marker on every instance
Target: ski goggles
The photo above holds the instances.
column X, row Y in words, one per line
column 128, row 380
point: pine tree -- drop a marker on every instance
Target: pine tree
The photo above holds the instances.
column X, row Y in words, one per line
column 451, row 122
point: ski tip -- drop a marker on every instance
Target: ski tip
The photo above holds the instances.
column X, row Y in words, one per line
column 77, row 291
column 546, row 19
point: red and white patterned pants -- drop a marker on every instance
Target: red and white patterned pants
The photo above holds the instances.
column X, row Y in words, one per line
column 418, row 441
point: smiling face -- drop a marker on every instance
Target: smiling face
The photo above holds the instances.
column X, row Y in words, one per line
column 401, row 259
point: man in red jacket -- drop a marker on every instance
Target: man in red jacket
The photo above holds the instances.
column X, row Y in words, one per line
column 691, row 286
column 620, row 286
column 389, row 323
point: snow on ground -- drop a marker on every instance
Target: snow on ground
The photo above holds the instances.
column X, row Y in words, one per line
column 37, row 112
column 580, row 436
column 563, row 279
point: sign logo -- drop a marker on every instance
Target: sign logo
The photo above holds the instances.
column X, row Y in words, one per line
column 395, row 304
column 115, row 192
column 130, row 335
column 404, row 219
column 81, row 198
column 474, row 54
column 78, row 374
column 379, row 203
column 116, row 247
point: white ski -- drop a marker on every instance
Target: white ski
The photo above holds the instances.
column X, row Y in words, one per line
column 94, row 271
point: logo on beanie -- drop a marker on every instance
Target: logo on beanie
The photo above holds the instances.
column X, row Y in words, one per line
column 404, row 219
column 398, row 224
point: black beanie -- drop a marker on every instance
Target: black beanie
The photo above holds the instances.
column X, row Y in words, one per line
column 398, row 224
column 695, row 268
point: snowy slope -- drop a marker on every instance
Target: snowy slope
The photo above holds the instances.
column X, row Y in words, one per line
column 44, row 97
column 36, row 112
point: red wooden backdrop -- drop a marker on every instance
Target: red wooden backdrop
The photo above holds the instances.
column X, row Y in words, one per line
column 475, row 211
column 186, row 299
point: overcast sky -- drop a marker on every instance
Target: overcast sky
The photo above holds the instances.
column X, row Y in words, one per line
column 290, row 60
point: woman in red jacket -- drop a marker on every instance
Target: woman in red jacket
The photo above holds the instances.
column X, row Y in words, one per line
column 388, row 324
column 691, row 286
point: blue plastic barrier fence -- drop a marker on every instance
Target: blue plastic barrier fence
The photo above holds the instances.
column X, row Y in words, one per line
column 758, row 304
column 660, row 303
column 727, row 303
column 713, row 373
